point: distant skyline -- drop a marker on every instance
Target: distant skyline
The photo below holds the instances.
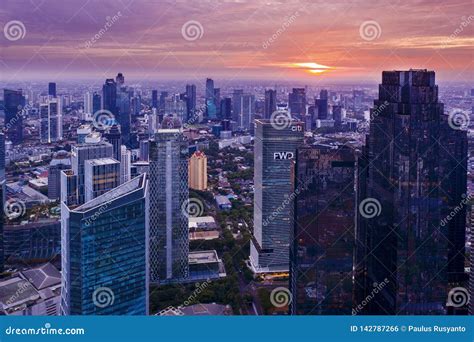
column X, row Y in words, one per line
column 307, row 42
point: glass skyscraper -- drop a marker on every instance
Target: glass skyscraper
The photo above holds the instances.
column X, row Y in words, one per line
column 274, row 149
column 169, row 239
column 321, row 253
column 13, row 104
column 105, row 253
column 412, row 175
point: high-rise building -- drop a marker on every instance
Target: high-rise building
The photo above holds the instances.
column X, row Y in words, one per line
column 322, row 105
column 61, row 161
column 274, row 150
column 52, row 89
column 412, row 177
column 113, row 136
column 169, row 239
column 125, row 164
column 270, row 103
column 244, row 109
column 123, row 115
column 120, row 79
column 163, row 96
column 337, row 115
column 104, row 253
column 109, row 96
column 79, row 154
column 322, row 248
column 297, row 102
column 191, row 100
column 198, row 171
column 51, row 121
column 88, row 108
column 226, row 108
column 100, row 175
column 14, row 102
column 96, row 103
column 154, row 99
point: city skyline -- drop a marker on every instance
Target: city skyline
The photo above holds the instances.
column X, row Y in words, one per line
column 348, row 41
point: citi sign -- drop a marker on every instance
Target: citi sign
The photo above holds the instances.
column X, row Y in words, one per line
column 283, row 155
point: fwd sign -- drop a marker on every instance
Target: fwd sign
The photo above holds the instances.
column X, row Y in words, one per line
column 283, row 155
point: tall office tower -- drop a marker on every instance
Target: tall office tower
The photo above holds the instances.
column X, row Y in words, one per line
column 322, row 244
column 144, row 150
column 51, row 121
column 217, row 101
column 61, row 161
column 109, row 96
column 169, row 240
column 96, row 103
column 136, row 104
column 412, row 178
column 237, row 103
column 191, row 101
column 358, row 96
column 2, row 197
column 152, row 122
column 123, row 115
column 104, row 253
column 14, row 102
column 297, row 102
column 125, row 165
column 209, row 89
column 52, row 89
column 270, row 103
column 113, row 136
column 100, row 176
column 337, row 115
column 154, row 99
column 88, row 100
column 226, row 108
column 198, row 171
column 176, row 107
column 82, row 152
column 120, row 79
column 163, row 96
column 274, row 150
column 323, row 94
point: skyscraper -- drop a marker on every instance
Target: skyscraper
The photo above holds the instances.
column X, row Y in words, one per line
column 226, row 108
column 169, row 240
column 191, row 100
column 109, row 96
column 321, row 252
column 198, row 171
column 82, row 152
column 274, row 149
column 297, row 102
column 123, row 115
column 51, row 121
column 100, row 175
column 113, row 136
column 14, row 103
column 52, row 89
column 61, row 161
column 322, row 105
column 154, row 99
column 125, row 164
column 96, row 103
column 270, row 103
column 120, row 79
column 104, row 253
column 412, row 176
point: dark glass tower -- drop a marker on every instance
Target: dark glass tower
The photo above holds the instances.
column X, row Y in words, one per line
column 52, row 89
column 297, row 102
column 190, row 100
column 14, row 103
column 270, row 103
column 412, row 175
column 109, row 96
column 321, row 254
column 154, row 98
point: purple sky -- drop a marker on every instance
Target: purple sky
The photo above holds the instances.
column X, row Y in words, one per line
column 237, row 39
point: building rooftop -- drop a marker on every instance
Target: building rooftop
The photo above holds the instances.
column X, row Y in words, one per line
column 203, row 257
column 44, row 276
column 102, row 161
